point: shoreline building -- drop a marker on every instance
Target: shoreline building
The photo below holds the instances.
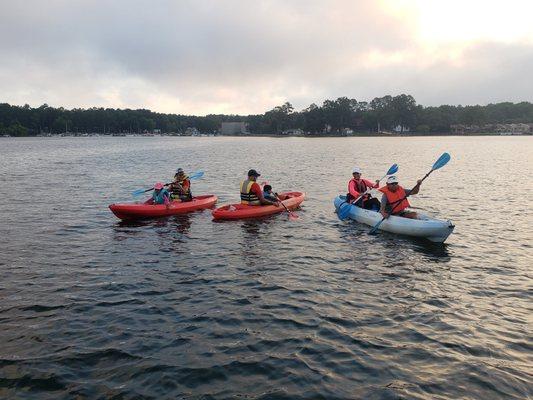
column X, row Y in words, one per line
column 234, row 128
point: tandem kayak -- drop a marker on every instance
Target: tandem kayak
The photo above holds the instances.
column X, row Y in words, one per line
column 431, row 229
column 129, row 211
column 291, row 200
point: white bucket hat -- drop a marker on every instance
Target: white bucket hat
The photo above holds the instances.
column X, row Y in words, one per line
column 356, row 170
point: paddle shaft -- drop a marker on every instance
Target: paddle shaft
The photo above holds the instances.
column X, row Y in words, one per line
column 147, row 190
column 196, row 175
column 284, row 206
column 368, row 190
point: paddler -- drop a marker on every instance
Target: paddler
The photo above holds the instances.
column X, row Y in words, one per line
column 269, row 194
column 160, row 194
column 357, row 186
column 180, row 188
column 251, row 192
column 394, row 199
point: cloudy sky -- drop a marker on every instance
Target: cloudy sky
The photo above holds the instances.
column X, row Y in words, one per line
column 245, row 56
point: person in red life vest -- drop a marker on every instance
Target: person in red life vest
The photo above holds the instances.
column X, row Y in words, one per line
column 357, row 186
column 394, row 200
column 251, row 192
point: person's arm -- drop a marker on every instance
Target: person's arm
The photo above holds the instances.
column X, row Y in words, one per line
column 259, row 193
column 384, row 203
column 270, row 197
column 415, row 190
column 166, row 198
column 352, row 190
column 372, row 185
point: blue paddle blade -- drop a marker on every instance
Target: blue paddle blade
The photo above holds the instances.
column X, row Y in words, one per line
column 344, row 211
column 393, row 169
column 196, row 175
column 138, row 192
column 442, row 161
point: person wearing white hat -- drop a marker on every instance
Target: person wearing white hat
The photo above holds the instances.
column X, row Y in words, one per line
column 357, row 186
column 394, row 200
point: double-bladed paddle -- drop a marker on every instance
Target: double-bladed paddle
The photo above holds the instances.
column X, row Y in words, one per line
column 196, row 175
column 343, row 212
column 441, row 162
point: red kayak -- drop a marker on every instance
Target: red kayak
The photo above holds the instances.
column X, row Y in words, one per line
column 238, row 211
column 129, row 211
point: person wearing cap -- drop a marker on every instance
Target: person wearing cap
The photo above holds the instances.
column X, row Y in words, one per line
column 160, row 194
column 394, row 200
column 180, row 188
column 357, row 186
column 251, row 193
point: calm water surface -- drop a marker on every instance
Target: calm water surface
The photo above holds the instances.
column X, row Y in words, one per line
column 187, row 308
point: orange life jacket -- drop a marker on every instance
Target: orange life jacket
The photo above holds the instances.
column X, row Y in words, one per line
column 395, row 205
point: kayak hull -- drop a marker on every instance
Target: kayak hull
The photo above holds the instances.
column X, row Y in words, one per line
column 434, row 230
column 291, row 200
column 132, row 211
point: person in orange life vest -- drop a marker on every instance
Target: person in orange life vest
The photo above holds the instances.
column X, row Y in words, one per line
column 357, row 186
column 394, row 199
column 251, row 192
column 180, row 189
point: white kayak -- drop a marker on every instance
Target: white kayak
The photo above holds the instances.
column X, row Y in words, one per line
column 432, row 229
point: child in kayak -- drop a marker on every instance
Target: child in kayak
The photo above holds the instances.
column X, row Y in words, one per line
column 160, row 194
column 268, row 194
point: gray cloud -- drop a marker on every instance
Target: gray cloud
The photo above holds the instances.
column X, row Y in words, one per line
column 236, row 56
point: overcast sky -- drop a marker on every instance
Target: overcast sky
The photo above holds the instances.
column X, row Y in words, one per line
column 241, row 57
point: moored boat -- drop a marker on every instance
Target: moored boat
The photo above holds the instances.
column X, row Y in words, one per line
column 435, row 230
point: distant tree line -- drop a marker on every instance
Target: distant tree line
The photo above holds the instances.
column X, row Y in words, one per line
column 332, row 117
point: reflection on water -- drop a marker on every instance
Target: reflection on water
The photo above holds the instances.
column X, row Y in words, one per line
column 184, row 307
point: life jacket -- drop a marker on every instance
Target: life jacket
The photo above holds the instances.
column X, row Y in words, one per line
column 247, row 196
column 159, row 198
column 361, row 187
column 270, row 196
column 179, row 191
column 396, row 201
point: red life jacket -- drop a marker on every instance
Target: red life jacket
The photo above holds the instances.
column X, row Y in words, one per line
column 360, row 186
column 394, row 199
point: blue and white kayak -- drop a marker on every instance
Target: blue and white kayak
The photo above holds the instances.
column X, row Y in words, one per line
column 431, row 229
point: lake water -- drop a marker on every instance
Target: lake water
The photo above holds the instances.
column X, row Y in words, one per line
column 184, row 307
